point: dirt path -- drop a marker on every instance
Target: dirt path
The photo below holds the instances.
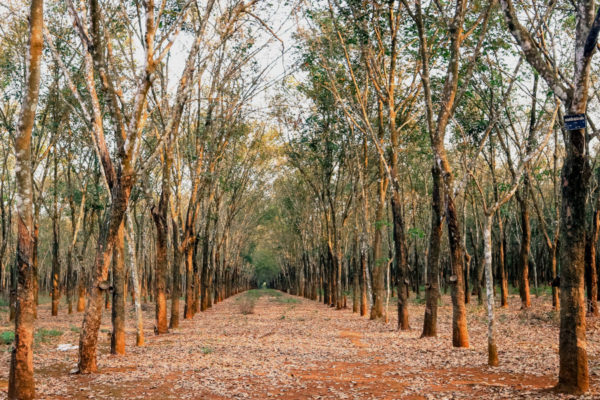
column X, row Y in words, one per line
column 298, row 349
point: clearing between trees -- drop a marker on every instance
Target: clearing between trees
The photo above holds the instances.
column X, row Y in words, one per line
column 267, row 344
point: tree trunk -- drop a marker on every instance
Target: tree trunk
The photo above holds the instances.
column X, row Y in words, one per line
column 197, row 289
column 117, row 339
column 34, row 259
column 205, row 270
column 489, row 290
column 380, row 262
column 139, row 339
column 160, row 220
column 555, row 288
column 502, row 264
column 590, row 263
column 432, row 289
column 402, row 281
column 81, row 293
column 524, row 251
column 460, row 335
column 188, row 253
column 21, row 384
column 355, row 278
column 70, row 281
column 55, row 243
column 573, row 373
column 176, row 292
column 106, row 241
column 378, row 283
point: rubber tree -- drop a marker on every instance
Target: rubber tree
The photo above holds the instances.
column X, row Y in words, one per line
column 443, row 200
column 573, row 374
column 21, row 383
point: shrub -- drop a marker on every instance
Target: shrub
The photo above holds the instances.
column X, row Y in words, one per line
column 7, row 337
column 247, row 305
column 44, row 335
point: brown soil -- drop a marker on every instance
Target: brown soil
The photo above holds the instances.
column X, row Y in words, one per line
column 294, row 348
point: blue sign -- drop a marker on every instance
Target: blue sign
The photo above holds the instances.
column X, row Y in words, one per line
column 574, row 122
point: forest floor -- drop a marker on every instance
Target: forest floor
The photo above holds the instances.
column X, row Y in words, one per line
column 294, row 348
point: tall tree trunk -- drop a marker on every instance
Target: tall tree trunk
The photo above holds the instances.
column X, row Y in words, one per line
column 21, row 384
column 355, row 265
column 13, row 291
column 197, row 289
column 70, row 270
column 590, row 262
column 35, row 259
column 131, row 244
column 380, row 263
column 160, row 215
column 402, row 281
column 363, row 278
column 555, row 288
column 460, row 335
column 81, row 292
column 432, row 289
column 188, row 253
column 70, row 281
column 205, row 269
column 209, row 283
column 108, row 234
column 5, row 222
column 489, row 289
column 117, row 339
column 524, row 251
column 573, row 373
column 522, row 197
column 55, row 243
column 502, row 264
column 176, row 292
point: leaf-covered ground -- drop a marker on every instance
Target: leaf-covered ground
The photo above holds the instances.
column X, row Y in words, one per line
column 294, row 348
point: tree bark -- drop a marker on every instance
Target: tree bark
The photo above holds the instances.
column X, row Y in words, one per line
column 55, row 243
column 432, row 289
column 117, row 339
column 590, row 263
column 176, row 292
column 489, row 290
column 402, row 281
column 523, row 270
column 160, row 215
column 460, row 335
column 502, row 264
column 379, row 261
column 21, row 383
column 131, row 243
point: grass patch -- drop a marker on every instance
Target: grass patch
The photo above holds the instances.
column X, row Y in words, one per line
column 4, row 302
column 418, row 300
column 7, row 337
column 285, row 300
column 207, row 350
column 258, row 293
column 44, row 299
column 75, row 329
column 45, row 335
